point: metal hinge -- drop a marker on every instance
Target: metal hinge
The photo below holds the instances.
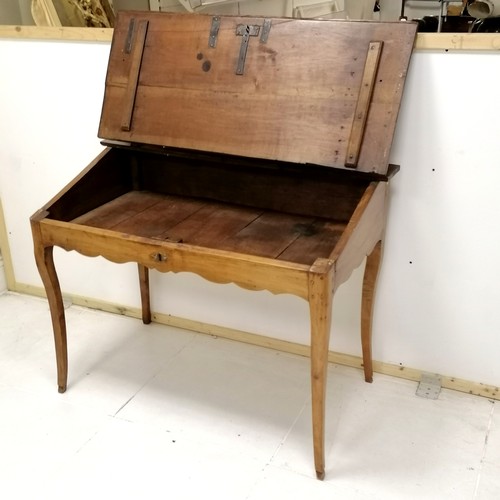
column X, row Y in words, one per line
column 214, row 31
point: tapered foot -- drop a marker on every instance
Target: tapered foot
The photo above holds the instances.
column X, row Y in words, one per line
column 320, row 475
column 61, row 389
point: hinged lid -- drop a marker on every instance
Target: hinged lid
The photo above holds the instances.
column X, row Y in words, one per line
column 301, row 91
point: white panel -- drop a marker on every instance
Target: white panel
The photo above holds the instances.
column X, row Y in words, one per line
column 438, row 300
column 437, row 303
column 50, row 106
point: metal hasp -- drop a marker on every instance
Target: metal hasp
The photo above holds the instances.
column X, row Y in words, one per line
column 246, row 31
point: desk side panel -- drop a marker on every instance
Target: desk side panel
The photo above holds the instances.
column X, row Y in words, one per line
column 108, row 176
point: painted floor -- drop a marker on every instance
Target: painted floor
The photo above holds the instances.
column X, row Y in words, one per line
column 154, row 412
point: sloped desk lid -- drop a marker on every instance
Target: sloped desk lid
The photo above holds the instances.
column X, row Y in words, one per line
column 301, row 91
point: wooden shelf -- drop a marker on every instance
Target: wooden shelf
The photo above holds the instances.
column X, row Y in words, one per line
column 425, row 41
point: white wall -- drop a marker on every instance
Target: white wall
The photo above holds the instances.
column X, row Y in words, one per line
column 437, row 303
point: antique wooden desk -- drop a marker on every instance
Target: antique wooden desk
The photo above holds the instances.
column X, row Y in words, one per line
column 246, row 150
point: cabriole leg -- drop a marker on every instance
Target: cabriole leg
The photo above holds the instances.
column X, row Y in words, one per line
column 45, row 263
column 145, row 301
column 369, row 283
column 320, row 303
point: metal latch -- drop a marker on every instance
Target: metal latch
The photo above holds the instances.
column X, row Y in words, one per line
column 246, row 31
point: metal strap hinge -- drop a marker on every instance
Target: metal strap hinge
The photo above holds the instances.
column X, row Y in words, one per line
column 214, row 31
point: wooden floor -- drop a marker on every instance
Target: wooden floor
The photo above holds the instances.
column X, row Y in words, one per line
column 222, row 226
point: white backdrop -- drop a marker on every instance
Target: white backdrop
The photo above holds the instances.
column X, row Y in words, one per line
column 437, row 306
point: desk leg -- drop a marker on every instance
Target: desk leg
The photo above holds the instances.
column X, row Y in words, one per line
column 144, row 286
column 45, row 263
column 369, row 282
column 320, row 304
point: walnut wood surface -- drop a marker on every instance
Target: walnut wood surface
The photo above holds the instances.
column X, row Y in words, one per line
column 295, row 101
column 233, row 228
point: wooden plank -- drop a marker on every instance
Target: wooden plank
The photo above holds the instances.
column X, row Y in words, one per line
column 424, row 41
column 324, row 192
column 156, row 219
column 267, row 236
column 363, row 104
column 458, row 41
column 119, row 210
column 315, row 240
column 211, row 224
column 57, row 33
column 219, row 225
column 133, row 76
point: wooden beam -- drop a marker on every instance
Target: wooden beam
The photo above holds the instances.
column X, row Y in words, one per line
column 425, row 41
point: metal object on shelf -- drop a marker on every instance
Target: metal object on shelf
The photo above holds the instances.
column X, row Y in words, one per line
column 442, row 14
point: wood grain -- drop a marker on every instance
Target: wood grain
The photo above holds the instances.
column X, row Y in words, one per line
column 295, row 102
column 233, row 228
